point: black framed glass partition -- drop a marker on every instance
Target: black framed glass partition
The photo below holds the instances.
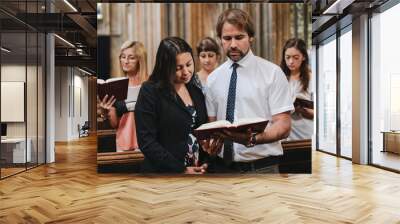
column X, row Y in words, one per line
column 345, row 55
column 385, row 87
column 13, row 86
column 326, row 96
column 334, row 96
column 22, row 88
column 367, row 85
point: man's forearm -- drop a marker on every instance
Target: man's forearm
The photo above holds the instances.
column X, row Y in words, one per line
column 280, row 129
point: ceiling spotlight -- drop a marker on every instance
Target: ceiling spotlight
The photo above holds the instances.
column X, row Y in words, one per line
column 5, row 50
column 84, row 71
column 70, row 5
column 337, row 7
column 64, row 40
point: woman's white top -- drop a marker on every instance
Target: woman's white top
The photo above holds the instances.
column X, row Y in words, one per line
column 302, row 128
column 133, row 92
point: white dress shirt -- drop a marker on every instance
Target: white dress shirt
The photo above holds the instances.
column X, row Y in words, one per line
column 302, row 128
column 262, row 90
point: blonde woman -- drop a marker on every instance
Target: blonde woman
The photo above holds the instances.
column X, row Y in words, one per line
column 133, row 62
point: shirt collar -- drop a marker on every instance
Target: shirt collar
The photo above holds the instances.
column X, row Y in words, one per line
column 244, row 62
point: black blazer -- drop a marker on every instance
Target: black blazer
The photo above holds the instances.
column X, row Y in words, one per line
column 163, row 127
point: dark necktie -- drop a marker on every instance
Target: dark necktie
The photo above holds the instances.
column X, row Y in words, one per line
column 230, row 114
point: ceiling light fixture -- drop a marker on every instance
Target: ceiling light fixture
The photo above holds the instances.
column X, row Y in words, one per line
column 84, row 71
column 65, row 41
column 70, row 5
column 5, row 49
column 337, row 7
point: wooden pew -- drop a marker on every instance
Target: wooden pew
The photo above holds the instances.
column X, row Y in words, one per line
column 106, row 141
column 108, row 160
column 296, row 156
column 128, row 157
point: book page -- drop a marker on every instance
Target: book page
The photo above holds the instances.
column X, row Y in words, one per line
column 116, row 79
column 244, row 121
column 215, row 124
column 100, row 81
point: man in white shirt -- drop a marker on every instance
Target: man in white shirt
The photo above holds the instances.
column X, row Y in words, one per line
column 246, row 86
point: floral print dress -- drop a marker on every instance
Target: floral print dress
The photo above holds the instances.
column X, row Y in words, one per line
column 192, row 155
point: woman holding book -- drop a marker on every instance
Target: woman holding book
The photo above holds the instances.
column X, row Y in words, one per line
column 133, row 62
column 169, row 107
column 209, row 56
column 295, row 65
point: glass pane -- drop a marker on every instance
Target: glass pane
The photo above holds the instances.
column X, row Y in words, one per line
column 346, row 94
column 13, row 85
column 31, row 97
column 327, row 97
column 385, row 86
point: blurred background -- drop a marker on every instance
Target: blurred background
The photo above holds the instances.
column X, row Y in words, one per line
column 151, row 22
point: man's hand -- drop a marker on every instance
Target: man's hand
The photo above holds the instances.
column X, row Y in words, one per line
column 196, row 170
column 213, row 145
column 239, row 137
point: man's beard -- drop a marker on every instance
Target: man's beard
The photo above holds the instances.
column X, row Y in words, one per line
column 238, row 54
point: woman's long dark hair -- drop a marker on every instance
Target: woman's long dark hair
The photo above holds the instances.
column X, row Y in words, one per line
column 165, row 66
column 305, row 71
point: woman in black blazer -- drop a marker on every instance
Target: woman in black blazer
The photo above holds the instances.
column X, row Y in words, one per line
column 169, row 107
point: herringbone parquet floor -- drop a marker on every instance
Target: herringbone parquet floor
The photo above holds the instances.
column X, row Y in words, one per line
column 71, row 191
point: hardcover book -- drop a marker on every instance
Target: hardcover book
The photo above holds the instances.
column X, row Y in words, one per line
column 117, row 87
column 304, row 103
column 207, row 130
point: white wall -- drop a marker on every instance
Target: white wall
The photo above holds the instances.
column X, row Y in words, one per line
column 81, row 82
column 61, row 103
column 71, row 96
column 16, row 73
column 12, row 73
column 33, row 126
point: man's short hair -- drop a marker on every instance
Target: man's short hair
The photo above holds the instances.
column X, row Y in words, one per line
column 238, row 18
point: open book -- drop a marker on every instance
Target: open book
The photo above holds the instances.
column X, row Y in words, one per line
column 207, row 130
column 117, row 87
column 304, row 103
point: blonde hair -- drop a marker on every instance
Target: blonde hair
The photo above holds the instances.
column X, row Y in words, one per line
column 141, row 54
